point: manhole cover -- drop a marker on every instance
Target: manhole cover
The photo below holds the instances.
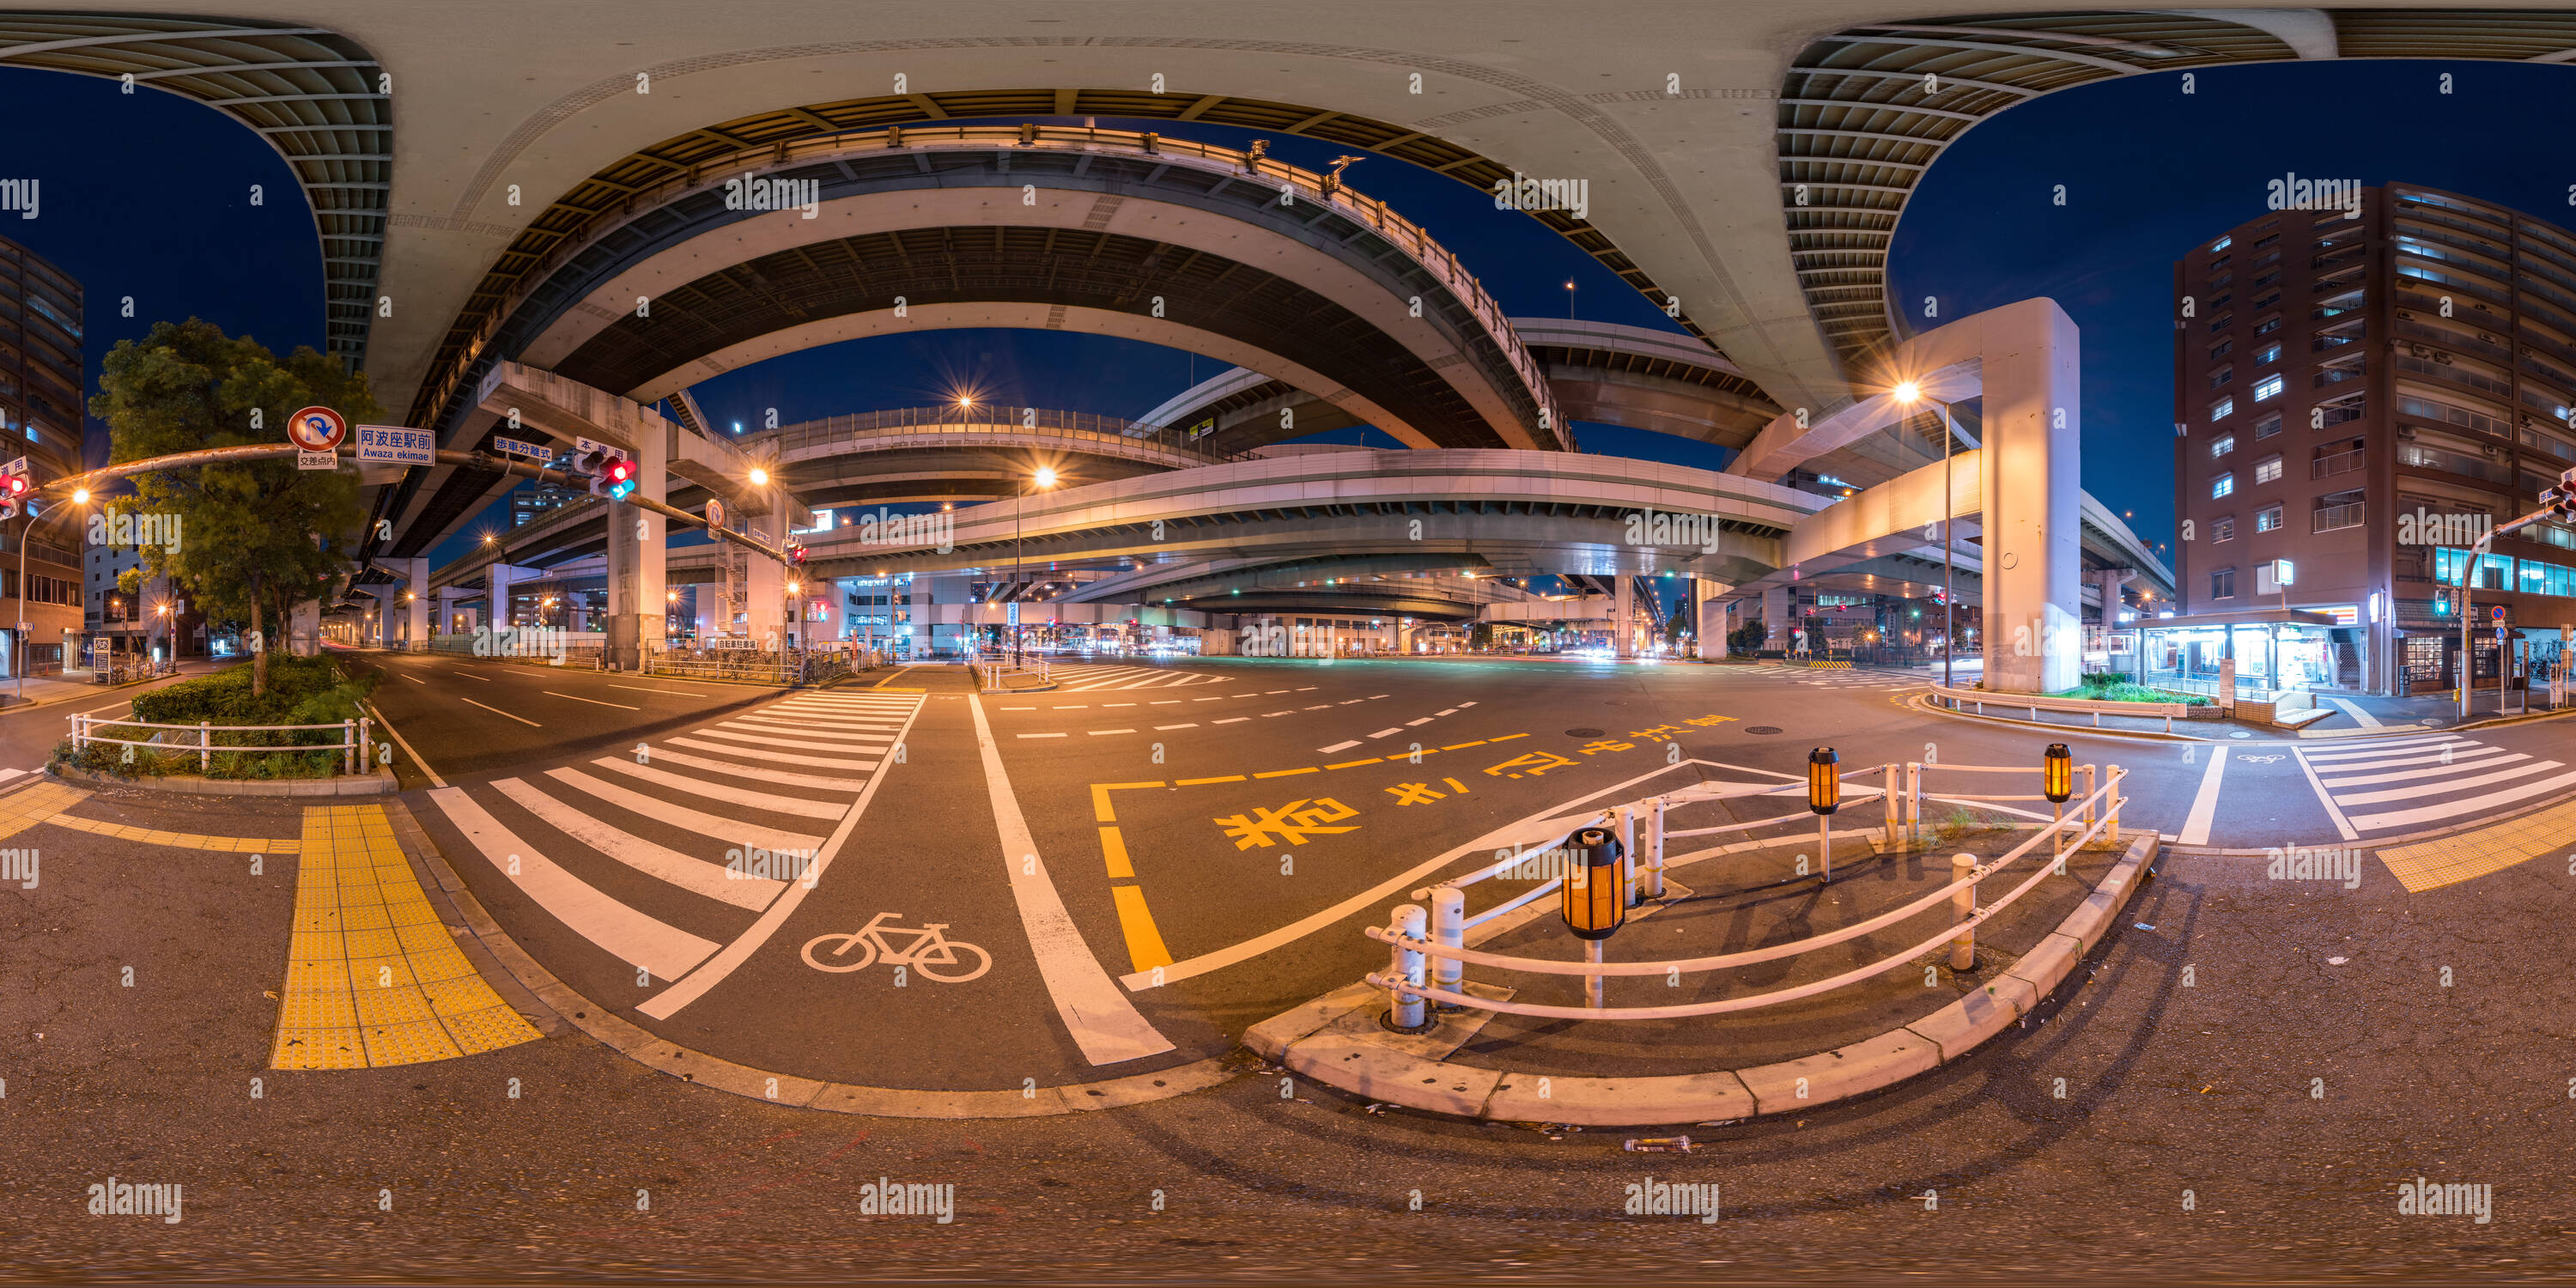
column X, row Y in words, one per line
column 1762, row 729
column 1582, row 733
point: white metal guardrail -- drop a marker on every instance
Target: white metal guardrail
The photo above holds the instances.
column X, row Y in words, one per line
column 354, row 745
column 2036, row 703
column 992, row 670
column 1430, row 967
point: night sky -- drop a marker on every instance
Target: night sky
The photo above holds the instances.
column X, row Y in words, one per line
column 148, row 195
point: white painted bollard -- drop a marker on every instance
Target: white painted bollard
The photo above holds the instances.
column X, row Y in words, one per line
column 1628, row 846
column 2089, row 789
column 1406, row 966
column 205, row 747
column 1449, row 930
column 1963, row 906
column 348, row 746
column 1655, row 851
column 2114, row 829
column 1888, row 790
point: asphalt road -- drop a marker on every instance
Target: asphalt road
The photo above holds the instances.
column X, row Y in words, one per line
column 2190, row 1056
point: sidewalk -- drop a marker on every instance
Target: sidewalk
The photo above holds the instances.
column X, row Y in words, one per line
column 73, row 686
column 1790, row 1057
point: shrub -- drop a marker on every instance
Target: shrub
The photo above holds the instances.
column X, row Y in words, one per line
column 301, row 691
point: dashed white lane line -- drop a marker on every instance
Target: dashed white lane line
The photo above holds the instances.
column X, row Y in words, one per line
column 1384, row 732
column 1450, row 712
column 1079, row 706
column 592, row 701
column 1267, row 714
column 1240, row 695
column 499, row 712
column 1423, row 721
column 1234, row 720
column 1042, row 735
column 1167, row 702
column 1271, row 694
column 1192, row 725
column 2204, row 806
column 1106, row 705
column 1339, row 746
column 1019, row 708
column 471, row 676
column 416, row 680
column 1097, row 732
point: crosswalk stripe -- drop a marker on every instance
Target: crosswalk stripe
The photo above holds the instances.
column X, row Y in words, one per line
column 2444, row 785
column 760, row 770
column 817, row 722
column 2402, row 775
column 2453, row 809
column 2445, row 757
column 688, row 872
column 775, row 804
column 2384, row 746
column 664, row 950
column 804, row 734
column 709, row 825
column 819, row 762
column 737, row 736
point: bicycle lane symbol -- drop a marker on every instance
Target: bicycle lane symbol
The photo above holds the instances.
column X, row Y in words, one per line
column 931, row 951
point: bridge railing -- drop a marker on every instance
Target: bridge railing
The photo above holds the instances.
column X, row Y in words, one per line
column 899, row 427
column 1308, row 185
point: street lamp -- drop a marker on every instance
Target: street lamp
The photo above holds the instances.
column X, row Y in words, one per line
column 1908, row 393
column 1824, row 796
column 1044, row 478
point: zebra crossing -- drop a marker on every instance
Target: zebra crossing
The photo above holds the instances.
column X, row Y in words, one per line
column 1855, row 679
column 1083, row 677
column 2429, row 781
column 658, row 855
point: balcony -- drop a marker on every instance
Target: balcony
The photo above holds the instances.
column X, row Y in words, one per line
column 2433, row 458
column 2458, row 340
column 2338, row 375
column 2334, row 518
column 2339, row 463
column 2443, row 371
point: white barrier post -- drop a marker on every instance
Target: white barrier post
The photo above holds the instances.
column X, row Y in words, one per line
column 1407, row 1014
column 205, row 747
column 2089, row 789
column 1449, row 930
column 1889, row 791
column 1655, row 850
column 1592, row 983
column 2114, row 828
column 1963, row 906
column 1628, row 846
column 348, row 747
column 1825, row 844
column 366, row 744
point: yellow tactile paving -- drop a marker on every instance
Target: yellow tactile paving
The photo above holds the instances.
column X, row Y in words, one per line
column 23, row 809
column 2449, row 860
column 373, row 978
column 154, row 836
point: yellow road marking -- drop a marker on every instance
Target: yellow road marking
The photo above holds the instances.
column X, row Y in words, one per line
column 1144, row 942
column 1507, row 737
column 1465, row 745
column 373, row 977
column 1348, row 763
column 1285, row 773
column 1115, row 848
column 1100, row 811
column 1193, row 782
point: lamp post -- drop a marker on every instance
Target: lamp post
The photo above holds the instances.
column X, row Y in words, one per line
column 2057, row 774
column 1824, row 796
column 1908, row 393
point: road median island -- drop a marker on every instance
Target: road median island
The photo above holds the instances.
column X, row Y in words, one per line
column 307, row 732
column 1794, row 1056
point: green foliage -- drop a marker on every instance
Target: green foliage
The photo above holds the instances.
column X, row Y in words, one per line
column 301, row 691
column 259, row 536
column 2109, row 686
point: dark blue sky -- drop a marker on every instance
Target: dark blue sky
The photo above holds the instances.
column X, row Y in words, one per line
column 2148, row 171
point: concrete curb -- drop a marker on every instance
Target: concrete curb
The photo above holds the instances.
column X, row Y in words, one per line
column 375, row 783
column 1925, row 705
column 1363, row 1066
column 640, row 1045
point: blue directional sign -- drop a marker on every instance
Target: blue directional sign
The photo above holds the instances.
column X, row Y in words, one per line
column 395, row 445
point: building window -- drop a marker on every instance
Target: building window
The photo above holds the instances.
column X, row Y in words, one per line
column 2221, row 376
column 2222, row 445
column 2223, row 485
column 2267, row 387
column 2223, row 408
column 2268, row 470
column 2222, row 243
column 2221, row 324
column 2222, row 584
column 2269, row 353
column 2222, row 348
column 2268, row 425
column 2269, row 299
column 2268, row 325
column 2267, row 240
column 2222, row 528
column 2267, row 519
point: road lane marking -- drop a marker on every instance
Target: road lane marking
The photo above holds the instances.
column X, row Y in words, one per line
column 1193, row 782
column 819, row 762
column 2361, row 717
column 1192, row 725
column 1283, row 773
column 1339, row 746
column 396, row 735
column 2204, row 806
column 763, row 772
column 499, row 712
column 1145, row 949
column 1233, row 720
column 416, row 680
column 1098, row 732
column 715, row 827
column 687, row 871
column 1347, row 764
column 1101, row 1020
column 802, row 807
column 592, row 701
column 1384, row 732
column 2324, row 797
column 2449, row 809
column 686, row 693
column 1512, row 833
column 471, row 676
column 1042, row 735
column 630, row 936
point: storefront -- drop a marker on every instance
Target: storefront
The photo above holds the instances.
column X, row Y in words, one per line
column 2266, row 650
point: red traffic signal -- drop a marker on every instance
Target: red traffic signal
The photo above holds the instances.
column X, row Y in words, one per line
column 620, row 477
column 796, row 552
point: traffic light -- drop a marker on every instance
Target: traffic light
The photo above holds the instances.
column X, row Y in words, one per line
column 796, row 552
column 13, row 492
column 620, row 477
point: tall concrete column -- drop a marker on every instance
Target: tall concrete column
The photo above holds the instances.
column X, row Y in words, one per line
column 764, row 601
column 2032, row 466
column 637, row 608
column 1713, row 622
column 496, row 596
column 1623, row 618
column 417, row 600
column 1775, row 617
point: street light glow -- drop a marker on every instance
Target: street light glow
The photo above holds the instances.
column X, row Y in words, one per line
column 759, row 477
column 1907, row 391
column 1046, row 476
column 80, row 496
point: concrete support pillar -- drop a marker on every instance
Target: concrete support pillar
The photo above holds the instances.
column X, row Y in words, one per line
column 2032, row 466
column 637, row 608
column 496, row 596
column 1775, row 617
column 1714, row 619
column 764, row 601
column 417, row 601
column 304, row 629
column 1623, row 618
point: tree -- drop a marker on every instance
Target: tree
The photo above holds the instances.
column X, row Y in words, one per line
column 259, row 537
